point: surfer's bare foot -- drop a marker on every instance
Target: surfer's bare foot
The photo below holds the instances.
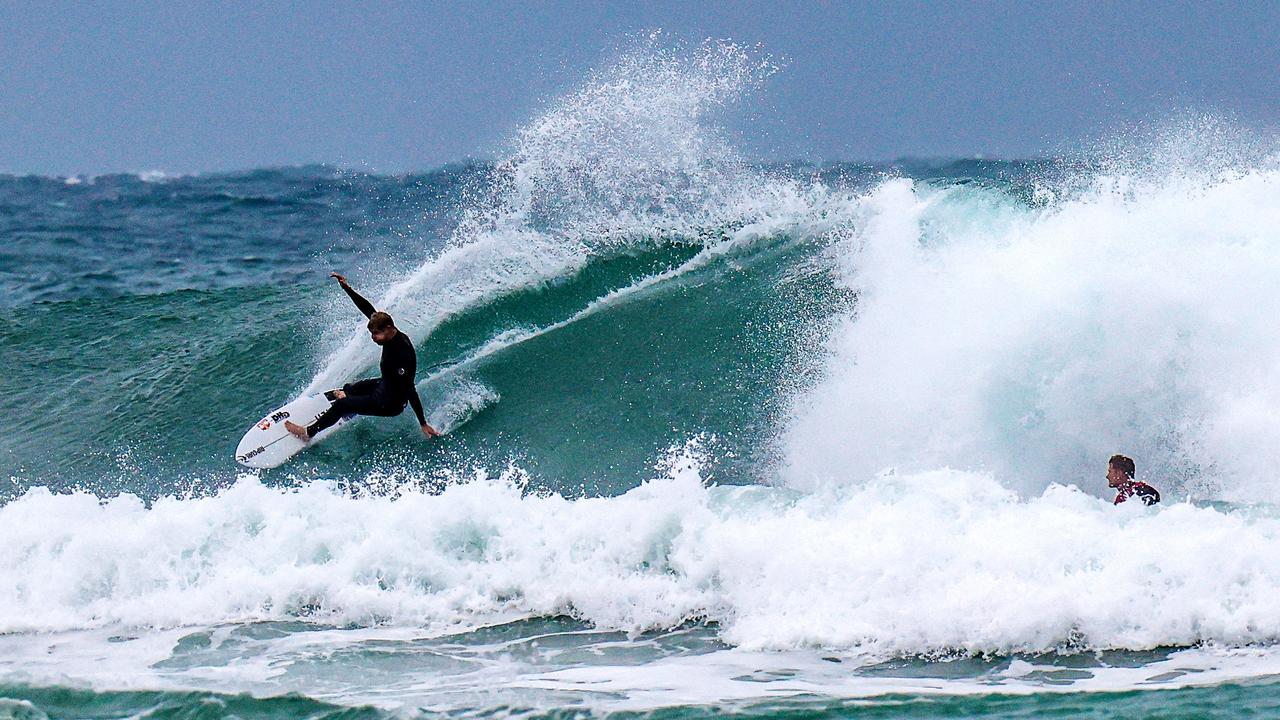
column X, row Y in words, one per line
column 297, row 429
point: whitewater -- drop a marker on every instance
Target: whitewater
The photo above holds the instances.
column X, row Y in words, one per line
column 779, row 439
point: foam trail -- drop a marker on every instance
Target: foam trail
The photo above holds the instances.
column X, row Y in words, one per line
column 1133, row 315
column 460, row 400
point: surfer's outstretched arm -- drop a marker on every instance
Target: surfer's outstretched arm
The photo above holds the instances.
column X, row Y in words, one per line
column 416, row 403
column 365, row 306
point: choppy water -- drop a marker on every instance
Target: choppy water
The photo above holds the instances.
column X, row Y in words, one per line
column 722, row 437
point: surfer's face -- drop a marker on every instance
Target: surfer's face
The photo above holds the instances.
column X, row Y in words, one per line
column 382, row 336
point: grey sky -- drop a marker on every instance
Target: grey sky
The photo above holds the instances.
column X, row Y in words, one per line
column 181, row 87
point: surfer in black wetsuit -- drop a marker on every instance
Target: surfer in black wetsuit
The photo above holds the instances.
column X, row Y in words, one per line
column 1120, row 472
column 385, row 396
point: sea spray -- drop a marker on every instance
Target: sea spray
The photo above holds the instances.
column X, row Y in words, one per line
column 1134, row 315
column 629, row 159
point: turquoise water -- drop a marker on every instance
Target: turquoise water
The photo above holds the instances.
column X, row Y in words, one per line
column 614, row 388
column 1229, row 701
column 721, row 437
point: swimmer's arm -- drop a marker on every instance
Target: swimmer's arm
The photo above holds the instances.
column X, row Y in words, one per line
column 365, row 306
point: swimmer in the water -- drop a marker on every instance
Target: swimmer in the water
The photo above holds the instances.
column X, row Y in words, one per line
column 1120, row 472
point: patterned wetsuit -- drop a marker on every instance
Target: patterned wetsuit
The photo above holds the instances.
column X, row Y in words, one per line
column 1149, row 495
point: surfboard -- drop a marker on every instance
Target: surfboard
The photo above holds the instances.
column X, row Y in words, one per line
column 268, row 444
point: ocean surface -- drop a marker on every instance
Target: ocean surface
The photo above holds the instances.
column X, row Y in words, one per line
column 722, row 437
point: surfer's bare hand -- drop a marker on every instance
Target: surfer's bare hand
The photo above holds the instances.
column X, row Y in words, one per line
column 342, row 279
column 429, row 431
column 339, row 394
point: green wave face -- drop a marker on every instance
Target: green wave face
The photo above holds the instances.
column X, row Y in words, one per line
column 583, row 385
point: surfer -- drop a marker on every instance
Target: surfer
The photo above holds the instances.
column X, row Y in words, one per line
column 1120, row 471
column 385, row 396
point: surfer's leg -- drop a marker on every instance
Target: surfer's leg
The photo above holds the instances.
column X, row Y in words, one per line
column 352, row 405
column 327, row 419
column 349, row 405
column 363, row 387
column 360, row 387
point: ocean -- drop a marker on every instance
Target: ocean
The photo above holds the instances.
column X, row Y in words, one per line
column 722, row 436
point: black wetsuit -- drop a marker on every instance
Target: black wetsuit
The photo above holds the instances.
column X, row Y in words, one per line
column 385, row 396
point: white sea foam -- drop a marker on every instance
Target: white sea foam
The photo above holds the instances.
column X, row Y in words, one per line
column 155, row 176
column 1134, row 315
column 928, row 563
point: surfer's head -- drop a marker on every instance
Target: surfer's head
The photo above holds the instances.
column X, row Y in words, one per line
column 381, row 327
column 1120, row 469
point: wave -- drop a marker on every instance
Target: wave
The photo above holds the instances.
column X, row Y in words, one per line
column 1027, row 329
column 628, row 158
column 584, row 381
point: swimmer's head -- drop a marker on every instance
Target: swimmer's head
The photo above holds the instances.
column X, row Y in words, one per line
column 1120, row 469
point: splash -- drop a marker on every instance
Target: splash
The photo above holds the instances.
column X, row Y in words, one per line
column 632, row 157
column 1129, row 313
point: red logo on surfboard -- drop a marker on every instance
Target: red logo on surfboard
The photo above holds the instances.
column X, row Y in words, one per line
column 264, row 424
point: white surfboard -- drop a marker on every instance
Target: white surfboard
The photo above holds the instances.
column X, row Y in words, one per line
column 268, row 444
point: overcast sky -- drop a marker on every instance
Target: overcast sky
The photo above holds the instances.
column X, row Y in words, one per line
column 186, row 87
